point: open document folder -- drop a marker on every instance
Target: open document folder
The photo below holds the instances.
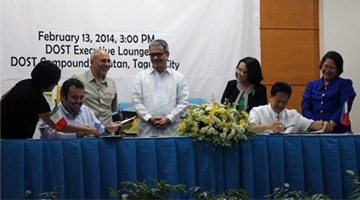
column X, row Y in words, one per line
column 129, row 127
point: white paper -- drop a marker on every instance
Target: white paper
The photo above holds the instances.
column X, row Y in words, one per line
column 127, row 120
column 318, row 131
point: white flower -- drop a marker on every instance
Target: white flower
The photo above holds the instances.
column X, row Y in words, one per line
column 208, row 108
column 241, row 130
column 230, row 136
column 201, row 112
column 223, row 135
column 204, row 129
column 215, row 119
column 211, row 130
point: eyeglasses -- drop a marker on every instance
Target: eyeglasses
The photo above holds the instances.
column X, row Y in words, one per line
column 157, row 54
column 241, row 71
column 281, row 101
column 329, row 67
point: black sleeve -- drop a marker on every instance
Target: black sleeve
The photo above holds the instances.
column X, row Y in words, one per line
column 229, row 92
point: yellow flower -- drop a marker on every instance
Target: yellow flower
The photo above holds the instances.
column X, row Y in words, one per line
column 246, row 115
column 223, row 115
column 196, row 115
column 182, row 126
column 189, row 117
column 242, row 123
column 195, row 128
column 207, row 120
column 203, row 105
column 217, row 110
column 216, row 102
column 222, row 125
column 212, row 112
column 228, row 125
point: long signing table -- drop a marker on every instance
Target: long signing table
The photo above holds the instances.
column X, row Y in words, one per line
column 87, row 168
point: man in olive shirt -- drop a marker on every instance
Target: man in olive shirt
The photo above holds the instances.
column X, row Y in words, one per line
column 100, row 90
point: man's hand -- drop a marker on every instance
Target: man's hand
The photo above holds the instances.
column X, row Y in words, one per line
column 276, row 126
column 159, row 122
column 113, row 126
column 93, row 131
column 81, row 134
column 89, row 131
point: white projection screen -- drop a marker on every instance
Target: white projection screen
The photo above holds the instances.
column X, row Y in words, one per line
column 207, row 38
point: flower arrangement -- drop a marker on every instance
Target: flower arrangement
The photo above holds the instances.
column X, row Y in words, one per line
column 219, row 123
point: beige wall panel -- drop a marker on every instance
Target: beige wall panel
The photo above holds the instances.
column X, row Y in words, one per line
column 289, row 31
column 289, row 55
column 298, row 14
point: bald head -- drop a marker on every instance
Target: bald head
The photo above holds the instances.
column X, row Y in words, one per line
column 100, row 63
column 96, row 53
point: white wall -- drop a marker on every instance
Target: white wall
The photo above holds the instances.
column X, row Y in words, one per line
column 340, row 31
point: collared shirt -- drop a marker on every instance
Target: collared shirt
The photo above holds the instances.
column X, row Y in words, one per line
column 85, row 116
column 100, row 97
column 159, row 95
column 326, row 103
column 289, row 118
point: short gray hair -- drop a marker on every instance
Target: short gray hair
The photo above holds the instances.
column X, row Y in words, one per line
column 160, row 42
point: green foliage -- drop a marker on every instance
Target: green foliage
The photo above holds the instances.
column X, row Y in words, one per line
column 356, row 181
column 162, row 190
column 45, row 195
column 141, row 190
column 286, row 194
column 231, row 194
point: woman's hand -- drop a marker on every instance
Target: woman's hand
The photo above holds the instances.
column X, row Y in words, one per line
column 327, row 127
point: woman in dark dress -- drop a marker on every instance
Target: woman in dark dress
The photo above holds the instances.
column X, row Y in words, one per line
column 23, row 104
column 246, row 91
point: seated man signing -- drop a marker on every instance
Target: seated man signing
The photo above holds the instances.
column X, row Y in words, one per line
column 72, row 97
column 275, row 118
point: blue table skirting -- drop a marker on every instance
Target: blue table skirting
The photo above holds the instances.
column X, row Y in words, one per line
column 87, row 168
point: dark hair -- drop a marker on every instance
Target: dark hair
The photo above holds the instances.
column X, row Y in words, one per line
column 280, row 87
column 45, row 74
column 71, row 82
column 336, row 57
column 160, row 42
column 254, row 70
